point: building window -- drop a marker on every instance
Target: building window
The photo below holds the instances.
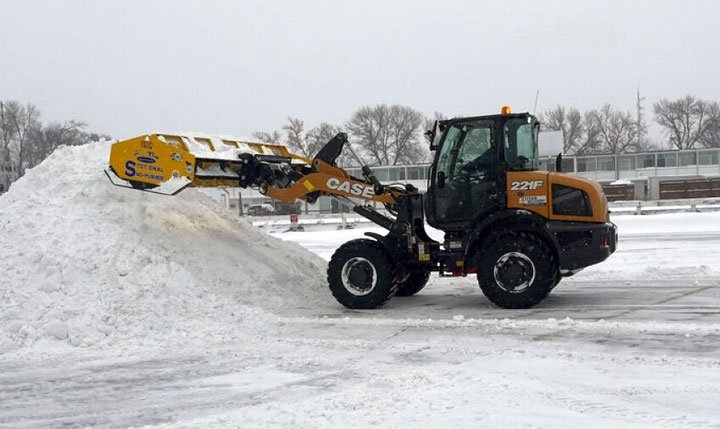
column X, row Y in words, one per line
column 687, row 158
column 586, row 164
column 381, row 173
column 708, row 158
column 568, row 165
column 667, row 160
column 626, row 162
column 646, row 161
column 606, row 163
column 397, row 173
column 416, row 173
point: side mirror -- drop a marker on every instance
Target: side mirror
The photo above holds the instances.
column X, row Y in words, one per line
column 558, row 163
column 429, row 135
column 441, row 179
column 433, row 135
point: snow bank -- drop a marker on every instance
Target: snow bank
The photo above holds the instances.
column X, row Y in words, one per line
column 86, row 263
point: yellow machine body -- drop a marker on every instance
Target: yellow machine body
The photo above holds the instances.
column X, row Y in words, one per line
column 530, row 190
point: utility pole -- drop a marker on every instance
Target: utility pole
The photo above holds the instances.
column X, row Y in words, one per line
column 641, row 129
column 2, row 122
column 4, row 157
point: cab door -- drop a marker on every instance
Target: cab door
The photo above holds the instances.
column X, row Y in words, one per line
column 464, row 181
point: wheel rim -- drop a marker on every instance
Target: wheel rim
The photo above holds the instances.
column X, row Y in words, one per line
column 514, row 272
column 359, row 276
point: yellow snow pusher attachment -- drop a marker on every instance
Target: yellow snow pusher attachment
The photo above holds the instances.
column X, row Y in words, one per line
column 168, row 163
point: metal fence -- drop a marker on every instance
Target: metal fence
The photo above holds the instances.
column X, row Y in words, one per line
column 619, row 192
column 691, row 188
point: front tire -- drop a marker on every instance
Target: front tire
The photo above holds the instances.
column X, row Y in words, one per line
column 516, row 270
column 361, row 275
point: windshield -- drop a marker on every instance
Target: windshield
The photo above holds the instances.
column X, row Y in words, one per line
column 521, row 144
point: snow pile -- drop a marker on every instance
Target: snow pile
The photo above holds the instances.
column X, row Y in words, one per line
column 88, row 263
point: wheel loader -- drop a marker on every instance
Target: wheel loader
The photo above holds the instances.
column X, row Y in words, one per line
column 519, row 229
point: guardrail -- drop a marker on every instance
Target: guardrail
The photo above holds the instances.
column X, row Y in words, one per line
column 642, row 208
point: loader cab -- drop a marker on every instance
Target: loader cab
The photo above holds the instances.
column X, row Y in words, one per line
column 472, row 156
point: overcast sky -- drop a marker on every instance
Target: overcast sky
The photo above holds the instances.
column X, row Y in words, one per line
column 133, row 67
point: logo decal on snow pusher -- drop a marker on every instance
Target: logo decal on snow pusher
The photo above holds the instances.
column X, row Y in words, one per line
column 148, row 157
column 144, row 170
column 357, row 189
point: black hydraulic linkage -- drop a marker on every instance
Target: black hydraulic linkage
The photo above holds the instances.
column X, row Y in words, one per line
column 374, row 216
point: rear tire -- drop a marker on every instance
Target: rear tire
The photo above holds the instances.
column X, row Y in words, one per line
column 556, row 281
column 516, row 270
column 361, row 275
column 414, row 283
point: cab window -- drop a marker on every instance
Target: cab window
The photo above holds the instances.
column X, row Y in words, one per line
column 521, row 144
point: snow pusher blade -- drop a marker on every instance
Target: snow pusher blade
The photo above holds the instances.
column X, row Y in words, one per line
column 168, row 163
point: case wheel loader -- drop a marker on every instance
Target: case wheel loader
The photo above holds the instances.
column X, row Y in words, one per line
column 520, row 230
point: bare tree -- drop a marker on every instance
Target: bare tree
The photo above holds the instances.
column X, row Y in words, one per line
column 388, row 135
column 317, row 137
column 308, row 144
column 25, row 142
column 368, row 126
column 570, row 122
column 617, row 129
column 589, row 141
column 97, row 137
column 45, row 140
column 294, row 130
column 18, row 124
column 7, row 166
column 268, row 137
column 684, row 120
column 711, row 137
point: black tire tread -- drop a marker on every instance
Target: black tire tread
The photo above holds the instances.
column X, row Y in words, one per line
column 415, row 282
column 534, row 294
column 373, row 250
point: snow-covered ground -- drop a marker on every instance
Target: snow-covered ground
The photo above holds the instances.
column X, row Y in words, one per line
column 126, row 309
